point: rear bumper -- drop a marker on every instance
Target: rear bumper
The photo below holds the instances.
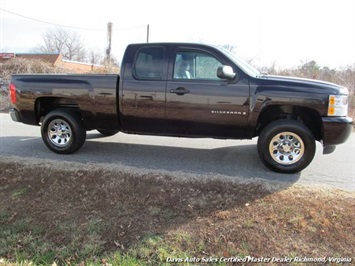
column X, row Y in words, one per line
column 15, row 115
column 336, row 130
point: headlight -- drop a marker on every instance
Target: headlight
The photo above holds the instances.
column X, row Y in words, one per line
column 338, row 105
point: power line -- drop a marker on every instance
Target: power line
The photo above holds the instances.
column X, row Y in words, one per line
column 131, row 28
column 50, row 23
column 66, row 26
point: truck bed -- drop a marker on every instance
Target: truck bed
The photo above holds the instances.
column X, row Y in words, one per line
column 95, row 97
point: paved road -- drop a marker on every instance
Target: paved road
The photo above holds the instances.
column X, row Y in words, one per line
column 201, row 158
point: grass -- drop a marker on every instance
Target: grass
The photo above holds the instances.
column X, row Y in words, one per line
column 19, row 192
column 111, row 218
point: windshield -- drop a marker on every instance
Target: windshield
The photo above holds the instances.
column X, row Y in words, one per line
column 247, row 68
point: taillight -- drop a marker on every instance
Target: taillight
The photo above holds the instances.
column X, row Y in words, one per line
column 12, row 89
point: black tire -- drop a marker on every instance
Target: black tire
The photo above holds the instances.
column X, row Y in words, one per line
column 108, row 132
column 63, row 131
column 286, row 146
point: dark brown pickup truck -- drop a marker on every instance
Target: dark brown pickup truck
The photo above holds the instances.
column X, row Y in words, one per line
column 189, row 90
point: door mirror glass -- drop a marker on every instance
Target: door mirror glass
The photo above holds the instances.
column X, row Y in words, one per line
column 225, row 72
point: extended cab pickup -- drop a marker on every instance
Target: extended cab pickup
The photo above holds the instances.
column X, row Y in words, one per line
column 187, row 90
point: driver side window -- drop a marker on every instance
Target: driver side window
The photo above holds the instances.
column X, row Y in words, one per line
column 196, row 65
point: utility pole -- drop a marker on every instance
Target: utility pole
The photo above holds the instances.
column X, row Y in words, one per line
column 108, row 49
column 147, row 33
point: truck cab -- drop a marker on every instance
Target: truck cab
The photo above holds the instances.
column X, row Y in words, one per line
column 182, row 94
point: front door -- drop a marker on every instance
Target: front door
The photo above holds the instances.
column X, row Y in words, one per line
column 201, row 104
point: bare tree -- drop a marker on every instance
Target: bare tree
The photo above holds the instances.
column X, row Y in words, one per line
column 95, row 57
column 68, row 43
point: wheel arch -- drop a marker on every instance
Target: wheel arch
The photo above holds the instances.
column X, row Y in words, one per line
column 307, row 116
column 45, row 105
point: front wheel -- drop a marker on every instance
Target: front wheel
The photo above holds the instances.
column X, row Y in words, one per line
column 286, row 146
column 63, row 131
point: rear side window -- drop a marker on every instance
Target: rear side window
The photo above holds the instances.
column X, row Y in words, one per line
column 149, row 63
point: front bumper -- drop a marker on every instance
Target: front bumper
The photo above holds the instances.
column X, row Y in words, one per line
column 336, row 130
column 15, row 115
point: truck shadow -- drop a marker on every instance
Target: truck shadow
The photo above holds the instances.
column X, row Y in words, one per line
column 238, row 162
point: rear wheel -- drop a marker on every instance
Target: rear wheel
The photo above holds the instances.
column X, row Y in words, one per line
column 63, row 131
column 286, row 146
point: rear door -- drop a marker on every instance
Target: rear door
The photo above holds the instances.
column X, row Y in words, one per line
column 143, row 91
column 201, row 104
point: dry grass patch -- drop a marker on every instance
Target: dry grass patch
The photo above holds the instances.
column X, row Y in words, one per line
column 119, row 218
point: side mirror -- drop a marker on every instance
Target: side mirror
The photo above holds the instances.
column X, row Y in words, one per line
column 225, row 72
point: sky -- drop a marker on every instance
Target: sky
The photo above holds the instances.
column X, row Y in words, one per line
column 285, row 33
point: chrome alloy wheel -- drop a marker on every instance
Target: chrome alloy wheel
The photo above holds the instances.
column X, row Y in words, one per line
column 286, row 148
column 59, row 132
